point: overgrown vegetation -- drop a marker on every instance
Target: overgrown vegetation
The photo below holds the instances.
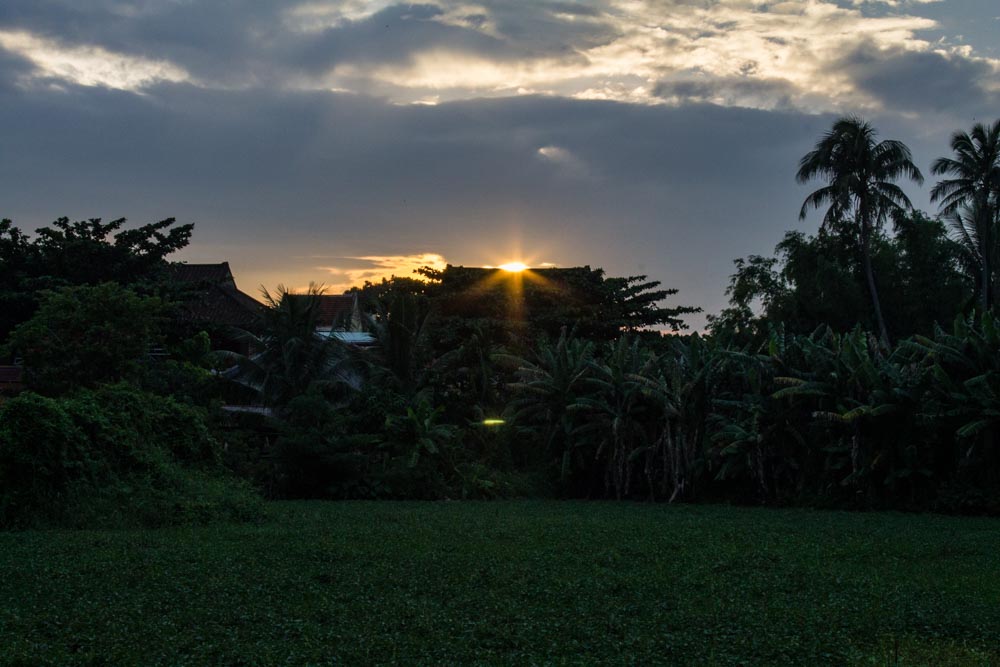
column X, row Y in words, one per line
column 115, row 456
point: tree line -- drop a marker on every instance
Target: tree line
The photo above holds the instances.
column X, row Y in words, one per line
column 856, row 368
column 932, row 269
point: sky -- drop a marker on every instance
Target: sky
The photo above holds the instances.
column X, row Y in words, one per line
column 335, row 142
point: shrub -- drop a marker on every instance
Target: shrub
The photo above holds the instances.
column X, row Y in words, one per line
column 42, row 452
column 114, row 456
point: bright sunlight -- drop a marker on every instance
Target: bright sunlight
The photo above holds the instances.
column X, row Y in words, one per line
column 513, row 267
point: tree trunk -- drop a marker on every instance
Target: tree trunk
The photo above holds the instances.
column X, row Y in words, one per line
column 866, row 256
column 992, row 220
column 987, row 297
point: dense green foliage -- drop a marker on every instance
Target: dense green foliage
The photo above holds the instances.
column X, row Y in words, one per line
column 515, row 309
column 509, row 583
column 85, row 336
column 288, row 357
column 815, row 281
column 825, row 419
column 86, row 311
column 788, row 400
column 113, row 456
column 86, row 252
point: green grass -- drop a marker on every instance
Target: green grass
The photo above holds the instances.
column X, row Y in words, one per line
column 509, row 582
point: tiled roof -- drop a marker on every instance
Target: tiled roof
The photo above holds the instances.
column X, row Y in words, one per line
column 222, row 305
column 216, row 274
column 334, row 310
column 217, row 300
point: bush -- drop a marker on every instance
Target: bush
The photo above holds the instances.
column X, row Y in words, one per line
column 42, row 453
column 85, row 336
column 317, row 455
column 114, row 456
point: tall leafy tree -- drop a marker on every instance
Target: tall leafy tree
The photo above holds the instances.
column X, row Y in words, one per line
column 83, row 252
column 860, row 191
column 970, row 197
column 400, row 329
column 812, row 281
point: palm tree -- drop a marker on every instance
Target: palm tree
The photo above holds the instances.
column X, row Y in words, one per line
column 289, row 355
column 970, row 229
column 970, row 199
column 400, row 328
column 860, row 189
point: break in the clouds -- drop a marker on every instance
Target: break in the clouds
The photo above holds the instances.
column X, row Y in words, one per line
column 346, row 272
column 645, row 136
column 85, row 65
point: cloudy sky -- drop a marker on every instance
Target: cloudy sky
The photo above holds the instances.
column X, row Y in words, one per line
column 336, row 141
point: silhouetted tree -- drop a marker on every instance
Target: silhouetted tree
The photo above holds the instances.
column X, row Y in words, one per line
column 84, row 252
column 860, row 191
column 970, row 199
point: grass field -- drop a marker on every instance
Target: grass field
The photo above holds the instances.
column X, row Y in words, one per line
column 509, row 582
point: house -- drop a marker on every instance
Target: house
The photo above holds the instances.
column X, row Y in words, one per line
column 339, row 316
column 211, row 301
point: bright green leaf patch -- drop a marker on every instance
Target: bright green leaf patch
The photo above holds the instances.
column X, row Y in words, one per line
column 509, row 582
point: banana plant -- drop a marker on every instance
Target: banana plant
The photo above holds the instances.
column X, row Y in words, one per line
column 546, row 390
column 420, row 432
column 757, row 437
column 684, row 382
column 866, row 403
column 620, row 418
column 965, row 392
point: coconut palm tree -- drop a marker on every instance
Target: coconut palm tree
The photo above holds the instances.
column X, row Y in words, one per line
column 971, row 229
column 860, row 189
column 970, row 198
column 289, row 355
column 400, row 327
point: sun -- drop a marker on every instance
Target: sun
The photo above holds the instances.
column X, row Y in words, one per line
column 513, row 267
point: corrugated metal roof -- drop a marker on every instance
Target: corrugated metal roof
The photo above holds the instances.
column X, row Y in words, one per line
column 354, row 337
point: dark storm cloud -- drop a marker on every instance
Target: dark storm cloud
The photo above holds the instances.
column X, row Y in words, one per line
column 398, row 32
column 251, row 40
column 353, row 176
column 735, row 91
column 218, row 40
column 280, row 179
column 539, row 28
column 920, row 81
column 12, row 68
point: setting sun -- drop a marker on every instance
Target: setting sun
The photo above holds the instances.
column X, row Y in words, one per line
column 513, row 267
